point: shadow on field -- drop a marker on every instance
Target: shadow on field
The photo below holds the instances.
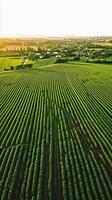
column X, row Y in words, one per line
column 85, row 139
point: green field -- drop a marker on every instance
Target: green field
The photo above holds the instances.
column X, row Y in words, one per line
column 56, row 133
column 6, row 62
column 43, row 62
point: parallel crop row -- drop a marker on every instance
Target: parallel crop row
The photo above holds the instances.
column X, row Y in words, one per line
column 55, row 136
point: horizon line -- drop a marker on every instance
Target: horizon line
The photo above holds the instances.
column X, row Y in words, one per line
column 51, row 36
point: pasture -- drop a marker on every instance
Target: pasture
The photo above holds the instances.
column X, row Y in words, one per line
column 6, row 62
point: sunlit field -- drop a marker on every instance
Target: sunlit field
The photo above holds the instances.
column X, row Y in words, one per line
column 56, row 132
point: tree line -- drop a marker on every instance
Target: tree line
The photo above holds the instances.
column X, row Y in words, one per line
column 17, row 67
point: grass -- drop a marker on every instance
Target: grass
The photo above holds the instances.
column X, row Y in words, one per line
column 43, row 62
column 6, row 62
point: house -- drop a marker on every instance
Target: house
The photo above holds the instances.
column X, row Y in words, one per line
column 58, row 56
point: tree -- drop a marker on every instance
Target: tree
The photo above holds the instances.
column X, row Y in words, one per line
column 76, row 58
column 11, row 68
column 61, row 60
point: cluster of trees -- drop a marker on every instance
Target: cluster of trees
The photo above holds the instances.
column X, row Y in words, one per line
column 103, row 61
column 61, row 60
column 6, row 69
column 23, row 66
column 106, row 52
column 75, row 58
column 18, row 67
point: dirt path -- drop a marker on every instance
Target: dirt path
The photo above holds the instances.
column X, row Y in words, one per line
column 46, row 66
column 25, row 62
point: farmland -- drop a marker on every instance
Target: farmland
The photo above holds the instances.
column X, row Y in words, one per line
column 56, row 129
column 8, row 61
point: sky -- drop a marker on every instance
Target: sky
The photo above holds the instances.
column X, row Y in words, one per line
column 56, row 17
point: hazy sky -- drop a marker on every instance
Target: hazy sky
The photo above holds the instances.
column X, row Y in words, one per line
column 55, row 17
